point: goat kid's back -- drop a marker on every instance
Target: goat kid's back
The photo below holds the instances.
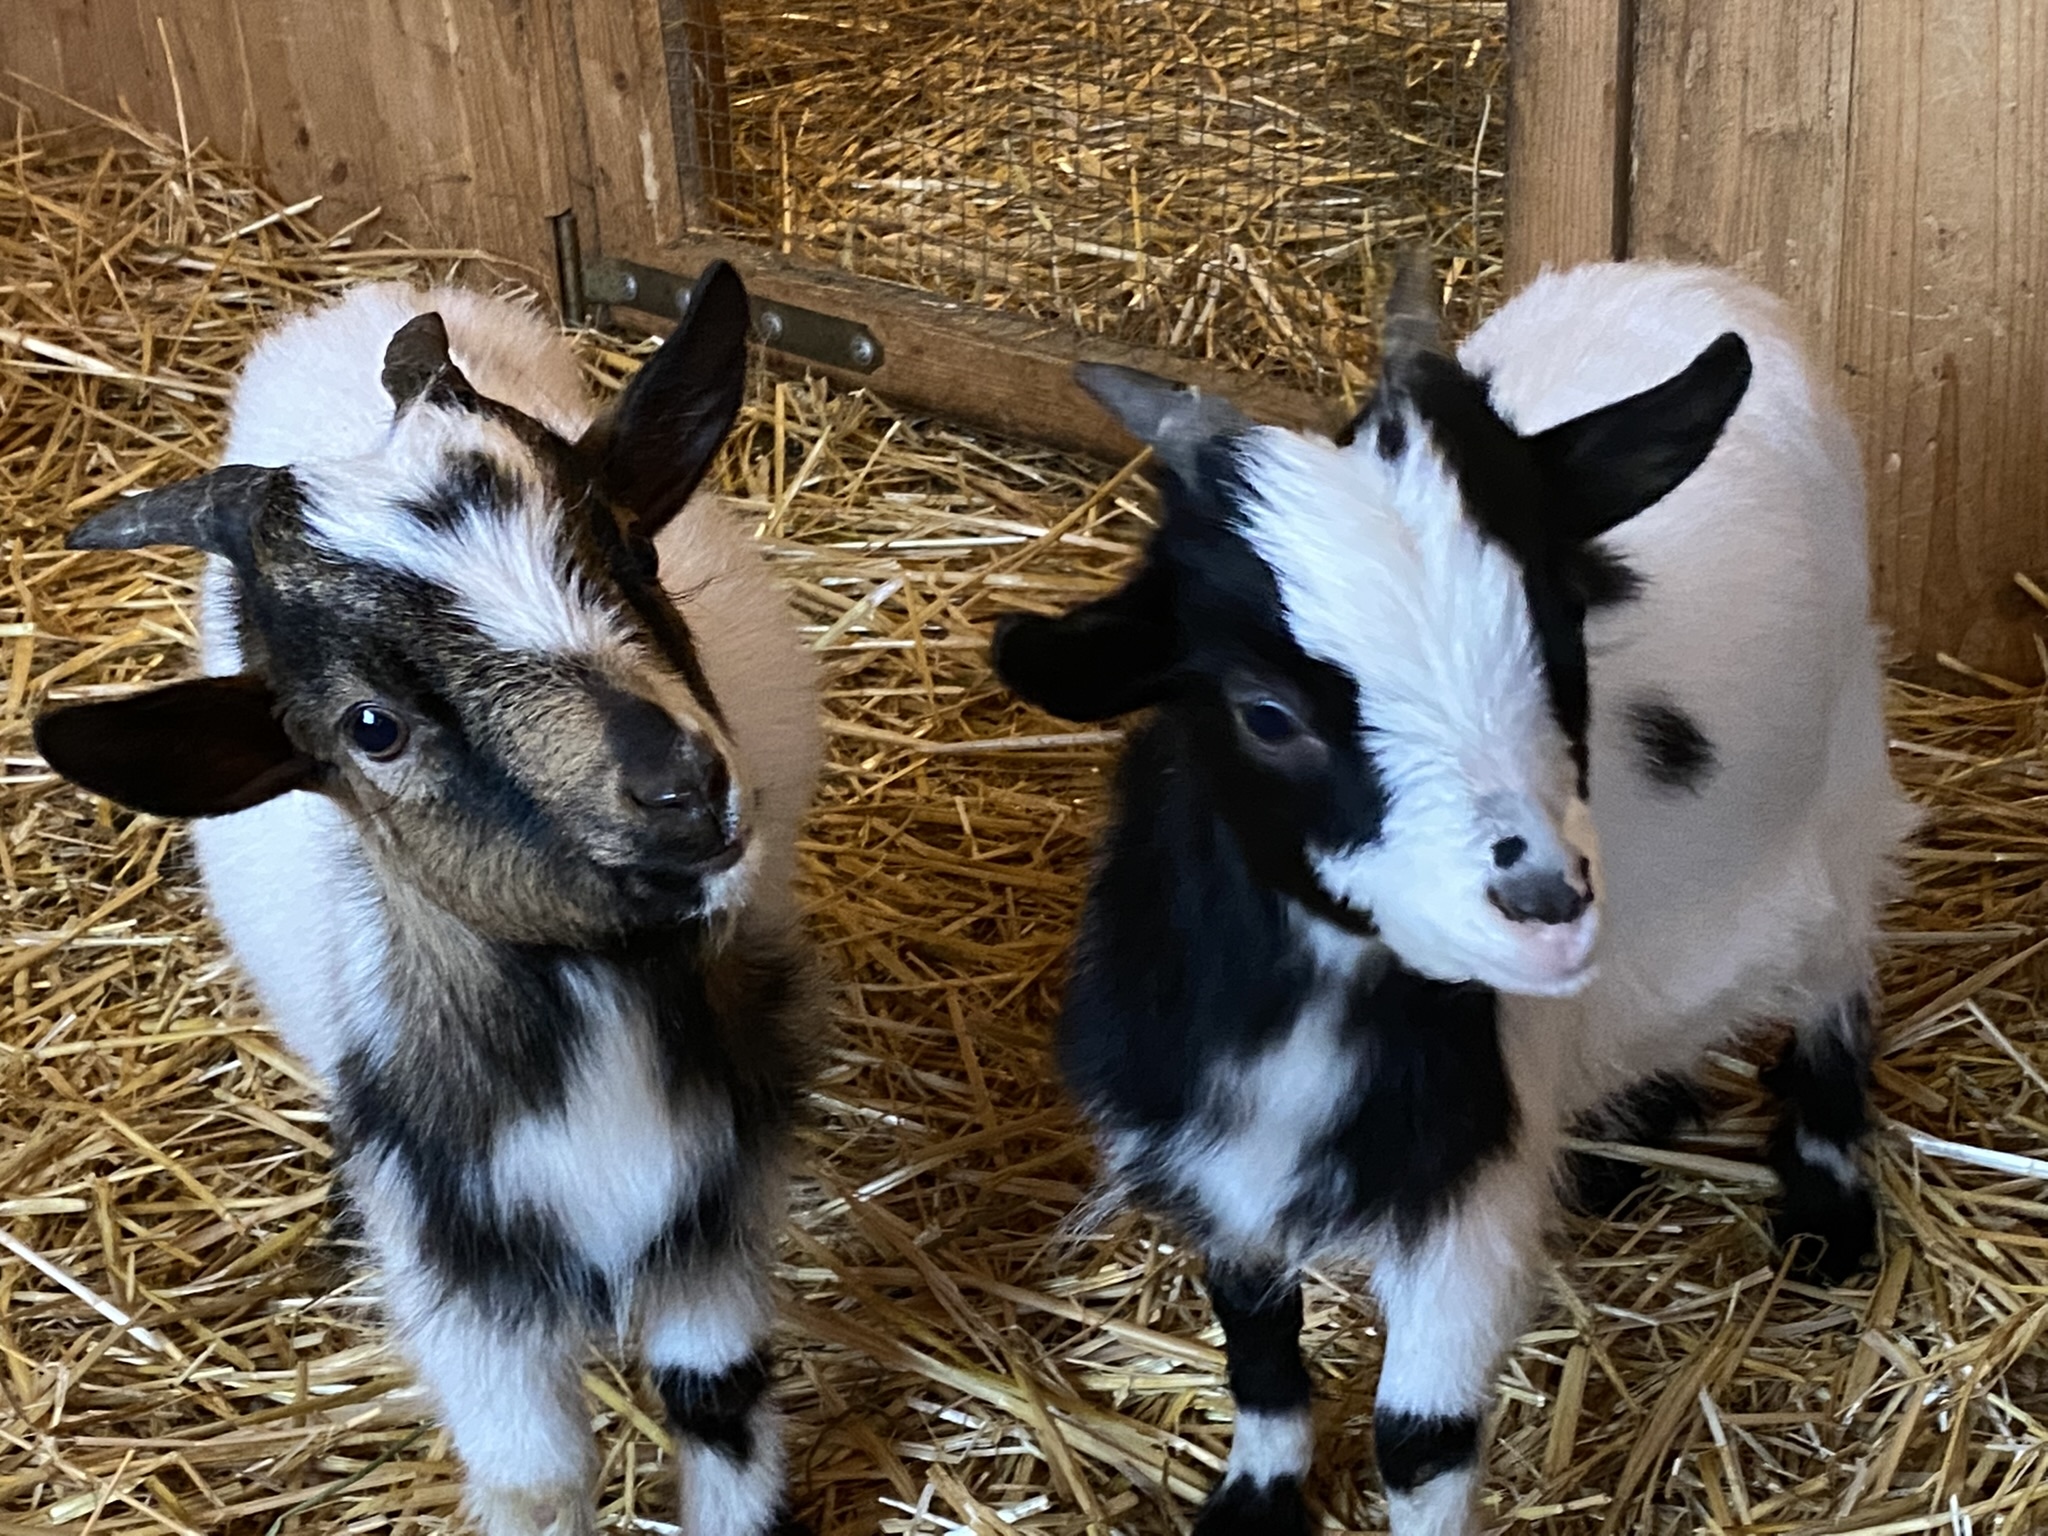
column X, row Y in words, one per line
column 1747, row 821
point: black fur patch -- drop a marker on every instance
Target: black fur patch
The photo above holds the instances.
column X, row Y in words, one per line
column 1823, row 1077
column 1261, row 1340
column 468, row 482
column 1647, row 1114
column 1675, row 751
column 1605, row 580
column 1187, row 962
column 714, row 1409
column 1241, row 1507
column 1392, row 436
column 1414, row 1448
column 478, row 1052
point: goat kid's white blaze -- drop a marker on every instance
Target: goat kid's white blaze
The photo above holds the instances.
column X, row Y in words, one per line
column 505, row 569
column 1382, row 575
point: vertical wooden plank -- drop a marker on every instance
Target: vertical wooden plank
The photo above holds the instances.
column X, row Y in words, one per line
column 623, row 72
column 1940, row 325
column 1568, row 119
column 1741, row 139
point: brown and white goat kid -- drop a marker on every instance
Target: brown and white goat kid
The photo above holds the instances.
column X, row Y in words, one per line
column 1336, row 993
column 502, row 744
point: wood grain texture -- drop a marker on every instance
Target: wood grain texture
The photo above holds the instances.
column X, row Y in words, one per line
column 1568, row 119
column 1741, row 138
column 628, row 121
column 1940, row 328
column 991, row 370
column 1880, row 164
column 450, row 118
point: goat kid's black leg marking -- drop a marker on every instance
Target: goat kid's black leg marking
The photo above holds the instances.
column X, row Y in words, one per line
column 1414, row 1448
column 1823, row 1079
column 1647, row 1114
column 714, row 1410
column 1261, row 1494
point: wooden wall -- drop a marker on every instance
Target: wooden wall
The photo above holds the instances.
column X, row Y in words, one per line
column 1883, row 164
column 467, row 123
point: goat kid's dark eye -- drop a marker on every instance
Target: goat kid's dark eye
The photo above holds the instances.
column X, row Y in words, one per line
column 377, row 732
column 1270, row 722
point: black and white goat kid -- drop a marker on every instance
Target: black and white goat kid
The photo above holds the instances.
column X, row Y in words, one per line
column 1335, row 990
column 502, row 743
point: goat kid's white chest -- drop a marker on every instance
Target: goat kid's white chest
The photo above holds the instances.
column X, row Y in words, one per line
column 1243, row 1159
column 611, row 1165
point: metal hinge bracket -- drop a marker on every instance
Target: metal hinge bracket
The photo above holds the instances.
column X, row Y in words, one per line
column 830, row 340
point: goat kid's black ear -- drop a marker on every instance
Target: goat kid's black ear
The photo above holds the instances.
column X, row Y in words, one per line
column 199, row 748
column 1610, row 464
column 655, row 444
column 1175, row 421
column 213, row 512
column 1104, row 659
column 417, row 366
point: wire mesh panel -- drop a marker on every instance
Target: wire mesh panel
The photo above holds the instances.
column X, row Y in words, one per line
column 1218, row 177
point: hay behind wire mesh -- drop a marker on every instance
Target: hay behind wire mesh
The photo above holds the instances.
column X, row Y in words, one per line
column 1222, row 177
column 182, row 1349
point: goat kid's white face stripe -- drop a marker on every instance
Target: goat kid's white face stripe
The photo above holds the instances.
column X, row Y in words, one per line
column 507, row 567
column 1382, row 575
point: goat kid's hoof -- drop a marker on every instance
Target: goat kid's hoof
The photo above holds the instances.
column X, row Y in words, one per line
column 1241, row 1507
column 533, row 1512
column 1835, row 1227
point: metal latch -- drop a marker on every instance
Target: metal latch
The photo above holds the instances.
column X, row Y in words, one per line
column 816, row 337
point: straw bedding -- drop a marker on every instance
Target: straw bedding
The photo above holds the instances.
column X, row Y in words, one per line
column 183, row 1348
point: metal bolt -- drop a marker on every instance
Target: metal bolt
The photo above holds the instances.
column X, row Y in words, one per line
column 769, row 325
column 862, row 350
column 629, row 288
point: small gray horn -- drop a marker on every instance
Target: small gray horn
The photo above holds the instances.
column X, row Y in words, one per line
column 1174, row 419
column 212, row 512
column 1411, row 325
column 417, row 365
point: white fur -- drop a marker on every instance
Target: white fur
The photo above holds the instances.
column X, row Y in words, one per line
column 505, row 569
column 1242, row 1158
column 1758, row 895
column 294, row 892
column 721, row 1494
column 1266, row 1446
column 614, row 1162
column 1443, row 1506
column 1381, row 576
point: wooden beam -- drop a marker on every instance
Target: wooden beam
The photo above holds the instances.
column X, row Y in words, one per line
column 1571, row 68
column 1000, row 372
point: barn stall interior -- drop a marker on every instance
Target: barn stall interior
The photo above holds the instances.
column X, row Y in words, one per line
column 974, row 1346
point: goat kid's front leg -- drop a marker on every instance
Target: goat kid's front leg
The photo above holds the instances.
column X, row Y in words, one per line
column 1454, row 1299
column 1823, row 1080
column 705, row 1338
column 1273, row 1442
column 511, row 1394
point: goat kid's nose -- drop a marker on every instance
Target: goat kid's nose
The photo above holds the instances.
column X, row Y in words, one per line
column 665, row 767
column 1527, row 894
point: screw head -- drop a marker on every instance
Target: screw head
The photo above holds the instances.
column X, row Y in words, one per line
column 769, row 325
column 629, row 287
column 863, row 351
